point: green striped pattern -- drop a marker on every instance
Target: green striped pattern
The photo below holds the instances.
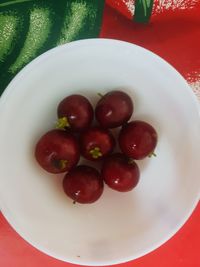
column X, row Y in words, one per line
column 40, row 26
column 143, row 9
column 31, row 27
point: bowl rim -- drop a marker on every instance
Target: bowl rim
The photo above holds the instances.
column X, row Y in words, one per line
column 9, row 89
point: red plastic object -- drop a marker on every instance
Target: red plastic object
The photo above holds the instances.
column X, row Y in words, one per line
column 173, row 34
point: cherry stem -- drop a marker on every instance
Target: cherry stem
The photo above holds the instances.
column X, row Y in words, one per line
column 130, row 161
column 152, row 154
column 96, row 152
column 74, row 202
column 63, row 163
column 60, row 163
column 100, row 95
column 62, row 123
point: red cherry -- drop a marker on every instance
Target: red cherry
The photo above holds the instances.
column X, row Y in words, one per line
column 137, row 139
column 96, row 143
column 75, row 112
column 57, row 151
column 83, row 184
column 120, row 173
column 114, row 109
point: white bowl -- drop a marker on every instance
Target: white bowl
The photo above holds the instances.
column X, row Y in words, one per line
column 120, row 226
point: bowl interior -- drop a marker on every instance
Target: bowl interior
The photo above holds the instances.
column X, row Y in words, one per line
column 120, row 226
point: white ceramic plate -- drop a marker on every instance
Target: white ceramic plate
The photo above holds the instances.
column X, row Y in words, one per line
column 120, row 226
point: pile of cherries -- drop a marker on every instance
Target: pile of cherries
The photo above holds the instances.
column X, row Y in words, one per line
column 59, row 150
